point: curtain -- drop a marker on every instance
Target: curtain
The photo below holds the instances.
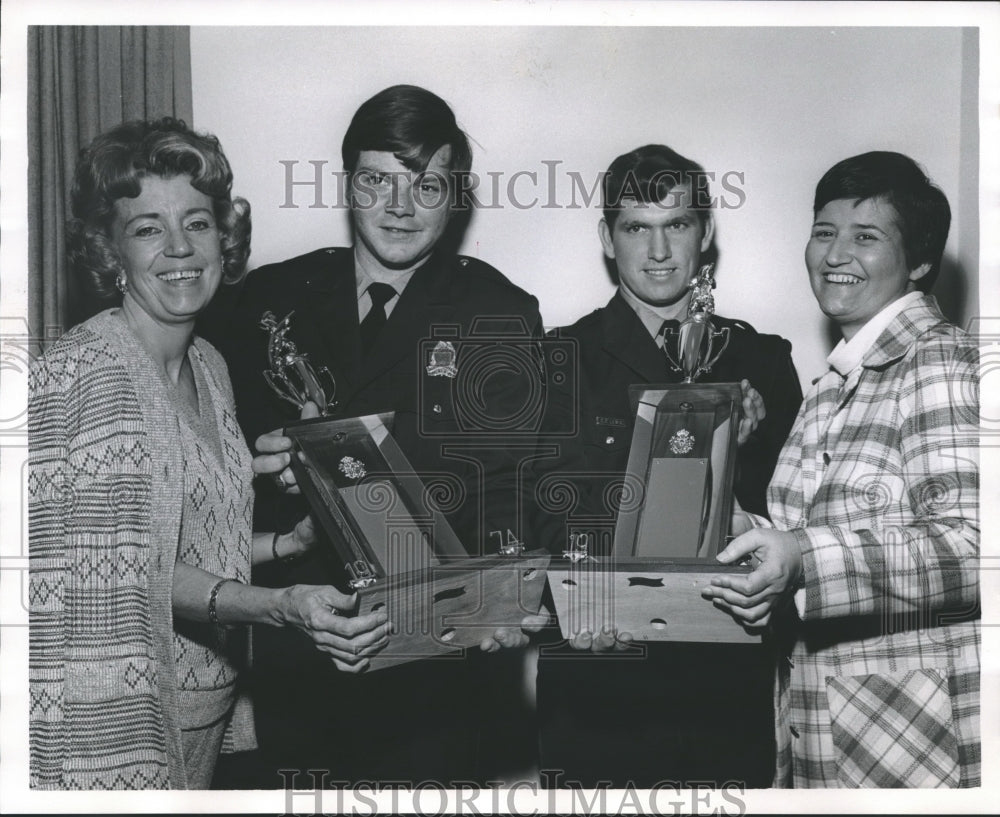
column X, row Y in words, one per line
column 83, row 80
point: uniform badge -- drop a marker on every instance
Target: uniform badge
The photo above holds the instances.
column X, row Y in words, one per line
column 352, row 468
column 682, row 442
column 442, row 360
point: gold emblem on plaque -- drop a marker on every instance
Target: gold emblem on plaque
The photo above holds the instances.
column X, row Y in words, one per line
column 352, row 468
column 682, row 442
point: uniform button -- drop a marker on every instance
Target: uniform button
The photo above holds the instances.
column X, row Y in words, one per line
column 794, row 731
column 609, row 440
column 826, row 458
column 464, row 262
column 437, row 408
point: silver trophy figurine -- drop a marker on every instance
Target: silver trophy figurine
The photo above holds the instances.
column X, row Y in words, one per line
column 697, row 345
column 290, row 374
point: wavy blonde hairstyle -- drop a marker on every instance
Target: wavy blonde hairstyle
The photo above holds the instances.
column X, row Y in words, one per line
column 113, row 166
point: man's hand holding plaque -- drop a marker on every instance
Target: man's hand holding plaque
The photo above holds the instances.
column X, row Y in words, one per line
column 274, row 455
column 513, row 638
column 753, row 411
column 608, row 639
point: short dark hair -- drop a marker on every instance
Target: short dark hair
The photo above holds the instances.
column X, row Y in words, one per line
column 410, row 122
column 113, row 166
column 647, row 175
column 924, row 214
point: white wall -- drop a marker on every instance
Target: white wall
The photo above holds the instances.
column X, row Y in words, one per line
column 778, row 104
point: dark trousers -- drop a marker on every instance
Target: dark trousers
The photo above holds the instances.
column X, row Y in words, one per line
column 663, row 713
column 448, row 720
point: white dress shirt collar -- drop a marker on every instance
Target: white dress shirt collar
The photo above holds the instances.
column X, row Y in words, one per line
column 847, row 355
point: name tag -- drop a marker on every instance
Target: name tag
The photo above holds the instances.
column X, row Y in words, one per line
column 611, row 422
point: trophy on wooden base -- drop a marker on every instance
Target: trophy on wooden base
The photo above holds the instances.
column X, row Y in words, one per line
column 289, row 373
column 674, row 506
column 387, row 531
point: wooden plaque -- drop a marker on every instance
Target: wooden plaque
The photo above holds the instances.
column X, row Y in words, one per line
column 673, row 519
column 396, row 548
column 651, row 600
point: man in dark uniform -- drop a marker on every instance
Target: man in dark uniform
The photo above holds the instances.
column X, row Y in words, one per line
column 682, row 712
column 406, row 326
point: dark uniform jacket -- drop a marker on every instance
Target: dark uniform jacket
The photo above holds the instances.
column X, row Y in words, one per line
column 675, row 711
column 420, row 720
column 459, row 433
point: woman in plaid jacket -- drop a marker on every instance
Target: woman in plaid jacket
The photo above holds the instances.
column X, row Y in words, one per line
column 875, row 505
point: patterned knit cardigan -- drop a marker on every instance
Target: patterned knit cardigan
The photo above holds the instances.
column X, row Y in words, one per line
column 105, row 496
column 879, row 480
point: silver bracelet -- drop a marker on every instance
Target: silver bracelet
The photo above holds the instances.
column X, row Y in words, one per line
column 213, row 614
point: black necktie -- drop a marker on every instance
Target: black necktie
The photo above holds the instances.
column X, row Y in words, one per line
column 669, row 345
column 375, row 319
column 667, row 325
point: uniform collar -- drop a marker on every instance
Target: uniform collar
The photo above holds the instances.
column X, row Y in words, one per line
column 652, row 317
column 628, row 339
column 365, row 276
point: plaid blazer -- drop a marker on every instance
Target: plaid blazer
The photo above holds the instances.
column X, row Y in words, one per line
column 878, row 679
